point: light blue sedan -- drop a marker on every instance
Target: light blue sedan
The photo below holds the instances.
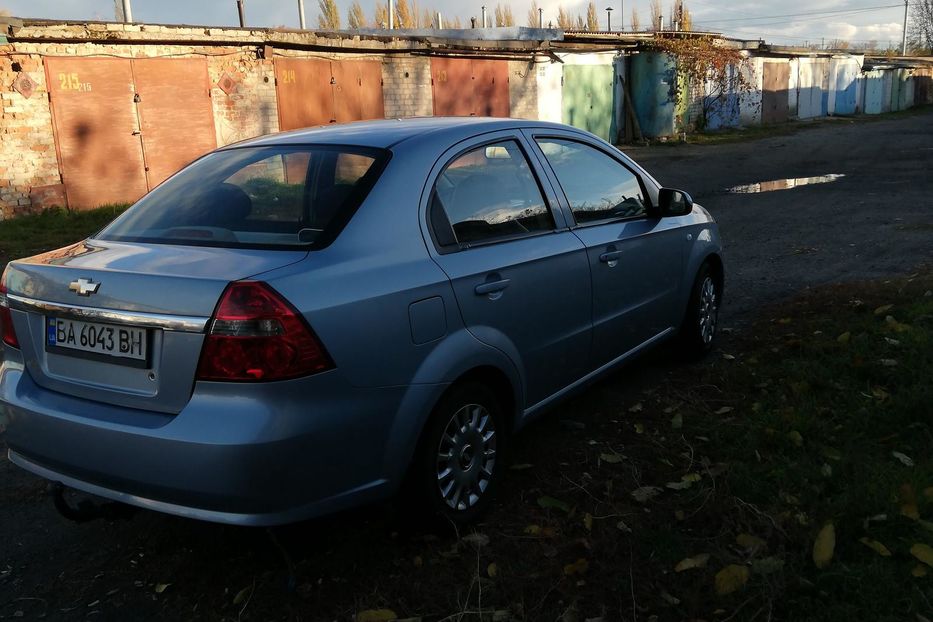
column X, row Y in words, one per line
column 314, row 320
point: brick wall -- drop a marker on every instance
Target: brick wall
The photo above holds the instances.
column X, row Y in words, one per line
column 406, row 87
column 523, row 90
column 250, row 108
column 27, row 145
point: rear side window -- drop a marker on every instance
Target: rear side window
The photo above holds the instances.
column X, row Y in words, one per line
column 486, row 194
column 597, row 186
column 255, row 197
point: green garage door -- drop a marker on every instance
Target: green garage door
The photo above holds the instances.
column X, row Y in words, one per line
column 587, row 98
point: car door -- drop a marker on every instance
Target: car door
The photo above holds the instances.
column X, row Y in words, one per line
column 635, row 259
column 520, row 277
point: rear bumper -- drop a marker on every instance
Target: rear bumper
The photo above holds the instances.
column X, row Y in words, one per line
column 239, row 454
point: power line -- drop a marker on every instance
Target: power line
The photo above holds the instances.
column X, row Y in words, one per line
column 806, row 14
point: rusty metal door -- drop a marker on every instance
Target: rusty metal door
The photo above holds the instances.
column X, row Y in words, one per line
column 371, row 97
column 491, row 88
column 304, row 93
column 453, row 86
column 775, row 99
column 96, row 130
column 347, row 85
column 175, row 114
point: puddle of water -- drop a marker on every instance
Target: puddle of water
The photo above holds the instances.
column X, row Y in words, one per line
column 784, row 184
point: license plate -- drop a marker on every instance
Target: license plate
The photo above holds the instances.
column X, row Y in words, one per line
column 97, row 339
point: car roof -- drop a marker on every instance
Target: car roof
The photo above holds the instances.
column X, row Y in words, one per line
column 386, row 133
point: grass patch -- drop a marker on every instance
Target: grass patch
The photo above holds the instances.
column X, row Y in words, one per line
column 28, row 235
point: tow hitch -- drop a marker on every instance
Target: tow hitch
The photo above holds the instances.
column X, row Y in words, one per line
column 87, row 510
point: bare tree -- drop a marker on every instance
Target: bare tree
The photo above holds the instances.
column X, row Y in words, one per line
column 592, row 20
column 504, row 17
column 920, row 31
column 381, row 15
column 636, row 21
column 533, row 14
column 655, row 8
column 329, row 19
column 564, row 19
column 681, row 15
column 355, row 17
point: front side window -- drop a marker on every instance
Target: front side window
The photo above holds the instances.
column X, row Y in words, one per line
column 489, row 193
column 597, row 186
column 262, row 196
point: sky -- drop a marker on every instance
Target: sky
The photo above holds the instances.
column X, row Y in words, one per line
column 784, row 23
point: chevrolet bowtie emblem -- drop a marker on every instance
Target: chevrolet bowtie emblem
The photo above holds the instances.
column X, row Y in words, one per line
column 84, row 287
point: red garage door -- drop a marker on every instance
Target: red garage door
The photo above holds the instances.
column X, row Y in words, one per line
column 318, row 92
column 468, row 87
column 95, row 123
column 122, row 126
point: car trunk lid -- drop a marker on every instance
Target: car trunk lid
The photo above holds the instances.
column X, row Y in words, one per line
column 123, row 323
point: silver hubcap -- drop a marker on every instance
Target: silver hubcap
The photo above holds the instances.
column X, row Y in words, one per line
column 466, row 457
column 709, row 310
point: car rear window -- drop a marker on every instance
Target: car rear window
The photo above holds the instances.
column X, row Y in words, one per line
column 255, row 197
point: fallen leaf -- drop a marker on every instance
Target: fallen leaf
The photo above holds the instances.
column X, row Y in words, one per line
column 610, row 458
column 730, row 579
column 883, row 309
column 826, row 470
column 767, row 565
column 476, row 539
column 418, row 561
column 552, row 503
column 892, row 342
column 679, row 514
column 785, row 320
column 639, row 428
column 677, row 421
column 824, row 546
column 645, row 493
column 923, row 552
column 588, row 521
column 894, row 325
column 844, row 337
column 161, row 587
column 242, row 595
column 904, row 459
column 492, row 570
column 795, row 437
column 876, row 546
column 668, row 598
column 376, row 615
column 685, row 482
column 919, row 571
column 728, row 357
column 621, row 526
column 724, row 410
column 637, row 408
column 750, row 543
column 697, row 561
column 576, row 568
column 888, row 362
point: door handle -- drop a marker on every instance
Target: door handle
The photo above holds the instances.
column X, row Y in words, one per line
column 491, row 287
column 610, row 257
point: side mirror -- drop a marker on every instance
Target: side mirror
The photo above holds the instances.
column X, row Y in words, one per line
column 674, row 202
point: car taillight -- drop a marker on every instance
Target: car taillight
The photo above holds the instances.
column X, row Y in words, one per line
column 256, row 335
column 6, row 318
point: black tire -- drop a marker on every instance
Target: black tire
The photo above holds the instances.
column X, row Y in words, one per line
column 476, row 448
column 700, row 325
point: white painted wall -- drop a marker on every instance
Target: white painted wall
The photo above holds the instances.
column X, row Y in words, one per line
column 550, row 94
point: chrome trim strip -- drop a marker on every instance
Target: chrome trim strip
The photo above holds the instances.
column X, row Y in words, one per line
column 180, row 323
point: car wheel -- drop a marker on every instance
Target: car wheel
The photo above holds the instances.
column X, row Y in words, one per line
column 701, row 321
column 461, row 453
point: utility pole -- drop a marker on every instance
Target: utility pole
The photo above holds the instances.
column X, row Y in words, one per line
column 391, row 14
column 240, row 10
column 904, row 39
column 301, row 14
